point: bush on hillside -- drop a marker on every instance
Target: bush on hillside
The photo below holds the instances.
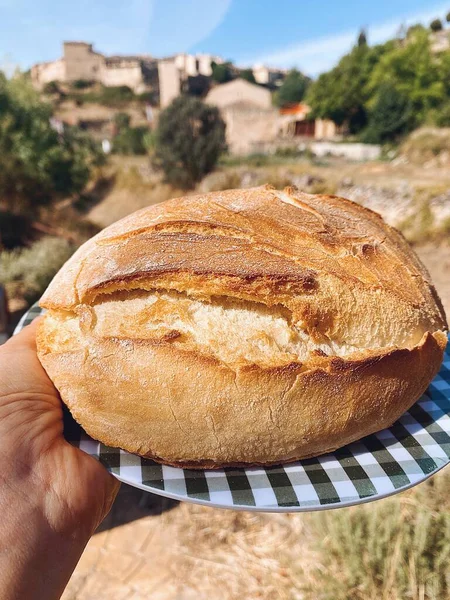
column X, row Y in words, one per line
column 81, row 84
column 131, row 140
column 122, row 120
column 436, row 25
column 189, row 140
column 441, row 116
column 51, row 88
column 392, row 549
column 426, row 144
column 26, row 272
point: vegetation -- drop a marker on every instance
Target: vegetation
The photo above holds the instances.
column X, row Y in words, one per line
column 393, row 549
column 198, row 85
column 362, row 38
column 390, row 117
column 113, row 96
column 39, row 164
column 26, row 272
column 129, row 140
column 81, row 84
column 293, row 88
column 222, row 73
column 247, row 74
column 189, row 140
column 436, row 25
column 51, row 88
column 367, row 82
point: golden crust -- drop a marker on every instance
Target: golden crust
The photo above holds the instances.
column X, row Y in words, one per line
column 352, row 321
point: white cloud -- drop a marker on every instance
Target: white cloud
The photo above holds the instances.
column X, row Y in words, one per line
column 318, row 55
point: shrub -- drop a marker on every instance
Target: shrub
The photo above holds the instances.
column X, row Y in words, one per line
column 247, row 74
column 189, row 140
column 391, row 549
column 26, row 272
column 116, row 95
column 131, row 140
column 81, row 84
column 436, row 25
column 222, row 73
column 122, row 120
column 51, row 88
column 442, row 116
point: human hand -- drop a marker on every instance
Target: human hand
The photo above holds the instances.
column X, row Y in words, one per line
column 52, row 495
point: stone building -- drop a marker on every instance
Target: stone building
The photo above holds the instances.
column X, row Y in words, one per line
column 81, row 62
column 167, row 76
column 240, row 91
column 248, row 113
column 294, row 122
column 268, row 76
column 191, row 65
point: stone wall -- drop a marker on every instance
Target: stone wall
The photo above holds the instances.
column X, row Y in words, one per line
column 169, row 82
column 82, row 62
column 249, row 126
column 45, row 72
column 124, row 72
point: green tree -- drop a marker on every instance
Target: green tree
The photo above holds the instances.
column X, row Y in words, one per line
column 362, row 38
column 390, row 117
column 189, row 140
column 222, row 73
column 341, row 94
column 38, row 163
column 447, row 18
column 122, row 120
column 293, row 88
column 414, row 71
column 247, row 74
column 436, row 25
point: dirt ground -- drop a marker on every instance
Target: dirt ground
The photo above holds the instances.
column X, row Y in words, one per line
column 151, row 547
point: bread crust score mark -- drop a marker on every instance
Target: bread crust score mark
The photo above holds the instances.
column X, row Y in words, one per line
column 241, row 327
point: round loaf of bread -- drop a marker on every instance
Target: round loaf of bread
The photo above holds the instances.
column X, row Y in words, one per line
column 245, row 327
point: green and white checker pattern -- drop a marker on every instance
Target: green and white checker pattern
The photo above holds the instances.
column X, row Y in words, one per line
column 414, row 448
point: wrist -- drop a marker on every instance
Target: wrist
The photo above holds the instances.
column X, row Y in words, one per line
column 36, row 559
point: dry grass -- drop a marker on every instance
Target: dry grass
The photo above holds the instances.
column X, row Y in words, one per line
column 26, row 272
column 394, row 549
column 427, row 144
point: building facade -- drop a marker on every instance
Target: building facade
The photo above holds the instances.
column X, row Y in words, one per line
column 248, row 113
column 140, row 73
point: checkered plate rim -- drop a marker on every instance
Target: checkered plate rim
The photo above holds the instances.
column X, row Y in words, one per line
column 377, row 466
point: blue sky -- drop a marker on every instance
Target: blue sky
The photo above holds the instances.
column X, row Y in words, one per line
column 309, row 34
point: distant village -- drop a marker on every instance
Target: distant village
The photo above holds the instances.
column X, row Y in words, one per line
column 253, row 123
